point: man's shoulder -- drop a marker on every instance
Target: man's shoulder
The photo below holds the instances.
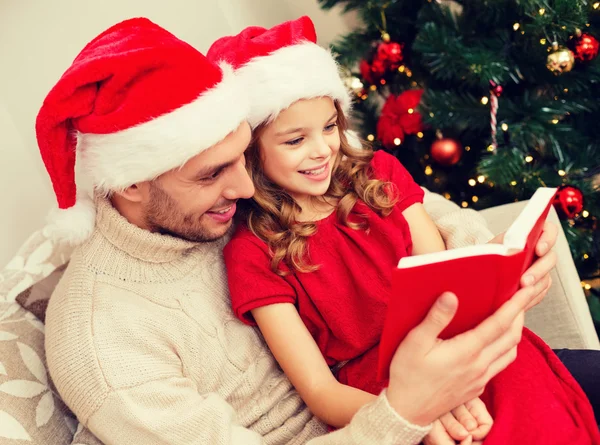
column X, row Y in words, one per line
column 102, row 336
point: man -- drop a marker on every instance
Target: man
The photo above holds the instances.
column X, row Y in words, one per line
column 141, row 342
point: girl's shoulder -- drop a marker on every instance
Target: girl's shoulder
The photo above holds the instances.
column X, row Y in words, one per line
column 387, row 167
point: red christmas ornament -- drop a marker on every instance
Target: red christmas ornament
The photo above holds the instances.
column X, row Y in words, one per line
column 568, row 201
column 446, row 151
column 399, row 117
column 372, row 72
column 387, row 57
column 496, row 89
column 585, row 47
column 390, row 53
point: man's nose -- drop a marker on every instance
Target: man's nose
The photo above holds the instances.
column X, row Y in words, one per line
column 241, row 186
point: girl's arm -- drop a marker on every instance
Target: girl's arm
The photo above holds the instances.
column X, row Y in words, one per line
column 425, row 236
column 302, row 361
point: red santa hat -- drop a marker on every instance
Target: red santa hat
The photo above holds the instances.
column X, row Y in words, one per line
column 280, row 66
column 136, row 103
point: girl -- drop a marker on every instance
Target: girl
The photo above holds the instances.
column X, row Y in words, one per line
column 311, row 264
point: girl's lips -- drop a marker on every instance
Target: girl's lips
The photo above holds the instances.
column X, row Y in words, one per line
column 223, row 217
column 318, row 177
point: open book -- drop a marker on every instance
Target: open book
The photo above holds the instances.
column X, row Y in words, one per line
column 483, row 277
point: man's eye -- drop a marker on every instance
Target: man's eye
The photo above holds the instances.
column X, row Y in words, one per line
column 294, row 141
column 214, row 176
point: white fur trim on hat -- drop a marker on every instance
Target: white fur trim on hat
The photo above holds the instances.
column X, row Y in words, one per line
column 118, row 160
column 73, row 225
column 302, row 71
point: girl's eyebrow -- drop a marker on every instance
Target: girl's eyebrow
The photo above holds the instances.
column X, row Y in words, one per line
column 294, row 130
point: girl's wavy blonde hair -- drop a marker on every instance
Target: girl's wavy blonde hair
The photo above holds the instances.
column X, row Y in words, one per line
column 271, row 214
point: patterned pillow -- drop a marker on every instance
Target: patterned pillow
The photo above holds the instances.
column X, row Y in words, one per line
column 30, row 409
column 37, row 259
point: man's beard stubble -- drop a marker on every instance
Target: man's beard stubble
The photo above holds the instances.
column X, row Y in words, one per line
column 164, row 216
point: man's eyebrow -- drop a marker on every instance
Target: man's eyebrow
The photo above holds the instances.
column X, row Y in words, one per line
column 294, row 130
column 210, row 170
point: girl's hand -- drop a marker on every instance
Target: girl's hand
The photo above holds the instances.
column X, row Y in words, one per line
column 439, row 436
column 470, row 419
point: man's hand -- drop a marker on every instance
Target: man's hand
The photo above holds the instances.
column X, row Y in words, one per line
column 429, row 377
column 539, row 273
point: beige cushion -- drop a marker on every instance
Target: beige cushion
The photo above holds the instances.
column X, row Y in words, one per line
column 563, row 318
column 30, row 411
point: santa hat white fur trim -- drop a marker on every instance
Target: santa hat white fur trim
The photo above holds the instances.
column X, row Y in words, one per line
column 118, row 160
column 301, row 71
column 73, row 225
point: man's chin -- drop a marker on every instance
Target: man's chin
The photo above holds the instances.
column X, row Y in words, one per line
column 204, row 235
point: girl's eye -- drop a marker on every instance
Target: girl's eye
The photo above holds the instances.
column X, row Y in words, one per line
column 294, row 141
column 330, row 127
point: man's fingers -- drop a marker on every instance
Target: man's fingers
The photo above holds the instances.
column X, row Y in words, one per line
column 539, row 269
column 504, row 344
column 547, row 240
column 496, row 325
column 426, row 334
column 540, row 296
column 438, row 436
column 500, row 364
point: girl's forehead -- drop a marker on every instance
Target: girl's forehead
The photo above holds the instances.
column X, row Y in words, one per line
column 307, row 111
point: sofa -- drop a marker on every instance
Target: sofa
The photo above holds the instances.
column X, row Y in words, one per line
column 32, row 411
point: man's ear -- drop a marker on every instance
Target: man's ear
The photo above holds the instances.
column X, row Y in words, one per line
column 135, row 193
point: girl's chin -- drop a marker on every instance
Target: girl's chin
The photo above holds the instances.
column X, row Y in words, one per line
column 311, row 192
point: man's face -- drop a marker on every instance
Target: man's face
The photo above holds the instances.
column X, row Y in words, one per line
column 198, row 201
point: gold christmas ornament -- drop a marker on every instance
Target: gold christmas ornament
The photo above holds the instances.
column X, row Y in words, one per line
column 560, row 60
column 385, row 37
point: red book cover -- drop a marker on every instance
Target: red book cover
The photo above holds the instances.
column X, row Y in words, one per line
column 483, row 277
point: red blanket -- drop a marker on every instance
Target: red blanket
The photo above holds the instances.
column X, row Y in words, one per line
column 537, row 401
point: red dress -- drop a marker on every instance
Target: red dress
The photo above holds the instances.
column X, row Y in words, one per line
column 343, row 305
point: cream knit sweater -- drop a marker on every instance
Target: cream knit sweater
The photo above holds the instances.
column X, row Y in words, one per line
column 144, row 348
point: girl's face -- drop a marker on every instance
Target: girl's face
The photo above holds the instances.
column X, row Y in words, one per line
column 299, row 148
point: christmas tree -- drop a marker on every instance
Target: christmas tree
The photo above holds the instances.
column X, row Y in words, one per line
column 485, row 101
